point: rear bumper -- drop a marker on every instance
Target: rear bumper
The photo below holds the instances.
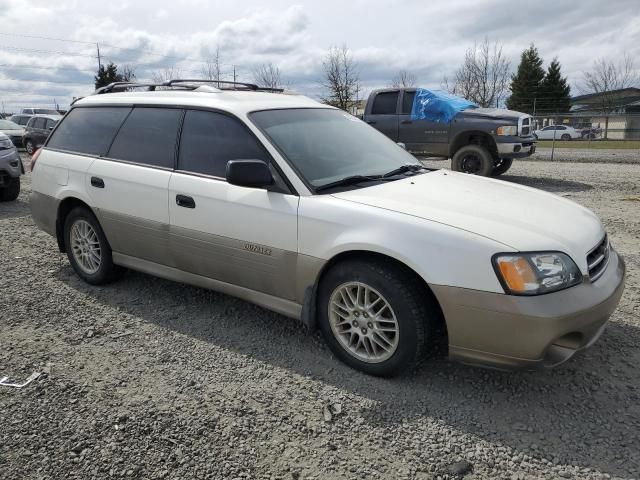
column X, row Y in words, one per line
column 44, row 210
column 506, row 331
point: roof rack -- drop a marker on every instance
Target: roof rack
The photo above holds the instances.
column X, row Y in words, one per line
column 187, row 84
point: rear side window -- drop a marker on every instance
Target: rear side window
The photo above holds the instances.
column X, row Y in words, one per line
column 385, row 103
column 37, row 123
column 407, row 102
column 49, row 123
column 88, row 130
column 148, row 136
column 209, row 140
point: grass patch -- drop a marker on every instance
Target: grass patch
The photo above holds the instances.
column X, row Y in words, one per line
column 594, row 144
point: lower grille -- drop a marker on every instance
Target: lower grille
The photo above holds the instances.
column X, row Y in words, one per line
column 598, row 259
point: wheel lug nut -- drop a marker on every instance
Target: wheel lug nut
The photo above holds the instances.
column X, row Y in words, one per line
column 356, row 314
column 364, row 331
column 355, row 323
column 365, row 315
column 370, row 325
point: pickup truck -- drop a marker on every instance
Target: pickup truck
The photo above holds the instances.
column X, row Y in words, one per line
column 481, row 141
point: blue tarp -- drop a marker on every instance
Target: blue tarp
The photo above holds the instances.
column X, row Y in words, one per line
column 438, row 106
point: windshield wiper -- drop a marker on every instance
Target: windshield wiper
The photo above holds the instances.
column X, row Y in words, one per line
column 407, row 167
column 349, row 181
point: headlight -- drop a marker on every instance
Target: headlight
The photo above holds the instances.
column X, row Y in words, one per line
column 5, row 143
column 535, row 273
column 511, row 130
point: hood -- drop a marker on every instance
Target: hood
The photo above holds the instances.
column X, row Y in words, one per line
column 521, row 218
column 15, row 131
column 493, row 113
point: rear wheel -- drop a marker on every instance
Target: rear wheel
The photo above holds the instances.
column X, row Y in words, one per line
column 501, row 166
column 566, row 137
column 88, row 249
column 473, row 159
column 29, row 146
column 375, row 316
column 11, row 191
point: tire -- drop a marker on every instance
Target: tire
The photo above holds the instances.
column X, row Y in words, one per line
column 566, row 137
column 535, row 136
column 415, row 316
column 11, row 191
column 473, row 159
column 29, row 146
column 105, row 271
column 501, row 166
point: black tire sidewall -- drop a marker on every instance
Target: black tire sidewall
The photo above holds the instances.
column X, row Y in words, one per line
column 26, row 146
column 565, row 137
column 486, row 166
column 106, row 272
column 11, row 191
column 409, row 344
column 503, row 167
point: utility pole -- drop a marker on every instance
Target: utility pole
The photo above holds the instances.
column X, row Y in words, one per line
column 99, row 64
column 234, row 74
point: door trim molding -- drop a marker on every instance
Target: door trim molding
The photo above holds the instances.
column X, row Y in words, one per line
column 276, row 304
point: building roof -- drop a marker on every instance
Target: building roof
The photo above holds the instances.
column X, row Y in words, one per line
column 631, row 93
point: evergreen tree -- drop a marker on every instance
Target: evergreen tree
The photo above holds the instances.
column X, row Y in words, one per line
column 525, row 84
column 554, row 91
column 107, row 75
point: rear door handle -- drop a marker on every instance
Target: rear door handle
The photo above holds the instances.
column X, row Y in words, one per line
column 97, row 182
column 406, row 122
column 185, row 201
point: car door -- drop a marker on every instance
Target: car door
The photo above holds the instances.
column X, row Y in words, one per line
column 241, row 236
column 383, row 115
column 129, row 185
column 37, row 131
column 421, row 135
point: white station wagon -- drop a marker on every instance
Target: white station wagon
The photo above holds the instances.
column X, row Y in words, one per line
column 306, row 210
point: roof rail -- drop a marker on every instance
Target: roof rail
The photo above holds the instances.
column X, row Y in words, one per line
column 187, row 84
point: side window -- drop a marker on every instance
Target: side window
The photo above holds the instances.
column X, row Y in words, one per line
column 407, row 102
column 209, row 140
column 385, row 103
column 88, row 130
column 561, row 128
column 38, row 123
column 148, row 136
column 49, row 123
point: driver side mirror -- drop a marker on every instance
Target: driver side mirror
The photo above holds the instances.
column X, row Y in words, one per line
column 249, row 173
column 402, row 145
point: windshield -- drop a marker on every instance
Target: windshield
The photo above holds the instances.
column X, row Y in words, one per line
column 45, row 111
column 8, row 125
column 326, row 145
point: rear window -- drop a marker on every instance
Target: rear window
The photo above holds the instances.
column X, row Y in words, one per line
column 407, row 102
column 88, row 130
column 148, row 136
column 385, row 103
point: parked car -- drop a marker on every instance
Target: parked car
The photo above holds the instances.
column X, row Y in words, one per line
column 308, row 211
column 10, row 170
column 482, row 141
column 12, row 130
column 20, row 119
column 559, row 132
column 39, row 111
column 37, row 131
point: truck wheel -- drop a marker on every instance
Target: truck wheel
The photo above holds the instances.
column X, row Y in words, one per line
column 501, row 166
column 472, row 159
column 11, row 191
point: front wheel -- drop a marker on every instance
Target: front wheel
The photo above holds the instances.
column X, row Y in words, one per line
column 375, row 316
column 501, row 166
column 30, row 147
column 472, row 159
column 11, row 191
column 88, row 249
column 566, row 137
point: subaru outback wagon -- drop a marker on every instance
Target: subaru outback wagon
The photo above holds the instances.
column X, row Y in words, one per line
column 308, row 211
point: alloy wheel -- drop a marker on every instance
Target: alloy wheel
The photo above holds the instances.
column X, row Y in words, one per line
column 85, row 246
column 363, row 322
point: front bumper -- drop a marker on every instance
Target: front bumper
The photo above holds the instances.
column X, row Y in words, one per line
column 516, row 149
column 10, row 163
column 507, row 331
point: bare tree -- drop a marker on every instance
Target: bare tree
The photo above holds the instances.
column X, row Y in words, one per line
column 212, row 68
column 605, row 79
column 341, row 78
column 268, row 75
column 167, row 73
column 403, row 79
column 128, row 73
column 483, row 77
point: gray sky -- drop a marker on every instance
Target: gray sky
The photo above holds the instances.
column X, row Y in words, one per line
column 427, row 38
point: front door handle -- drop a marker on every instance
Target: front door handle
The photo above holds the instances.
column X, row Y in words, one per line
column 97, row 182
column 406, row 122
column 371, row 122
column 185, row 201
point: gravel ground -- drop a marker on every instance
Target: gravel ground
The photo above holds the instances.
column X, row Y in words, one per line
column 151, row 379
column 585, row 155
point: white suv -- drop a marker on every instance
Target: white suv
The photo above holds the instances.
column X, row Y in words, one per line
column 306, row 210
